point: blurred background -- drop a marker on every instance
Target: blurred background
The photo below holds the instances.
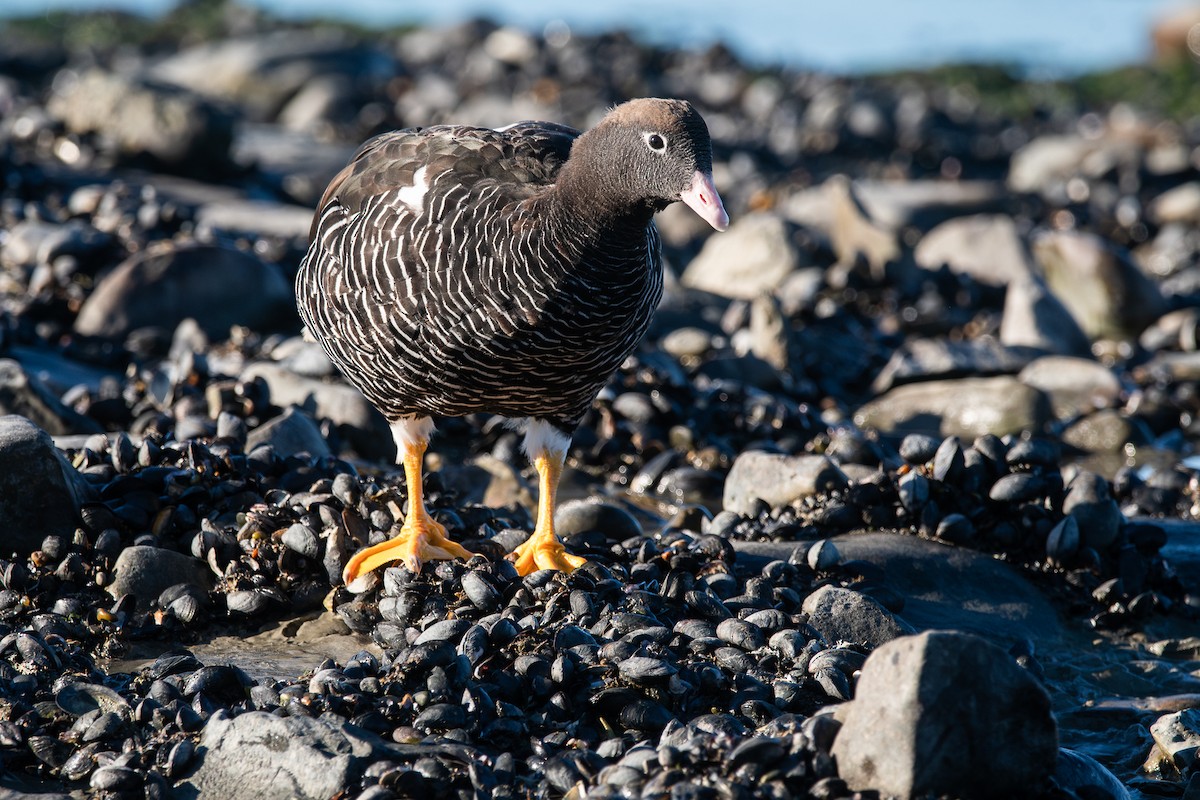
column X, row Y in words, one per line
column 1038, row 38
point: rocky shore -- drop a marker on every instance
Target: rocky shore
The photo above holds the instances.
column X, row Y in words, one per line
column 897, row 498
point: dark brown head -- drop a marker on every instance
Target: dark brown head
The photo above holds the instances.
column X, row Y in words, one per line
column 644, row 155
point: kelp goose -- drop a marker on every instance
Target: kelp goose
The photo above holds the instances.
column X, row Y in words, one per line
column 456, row 270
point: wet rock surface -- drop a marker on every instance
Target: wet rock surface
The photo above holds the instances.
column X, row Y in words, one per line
column 939, row 375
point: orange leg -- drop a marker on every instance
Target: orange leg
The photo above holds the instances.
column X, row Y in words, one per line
column 421, row 537
column 543, row 550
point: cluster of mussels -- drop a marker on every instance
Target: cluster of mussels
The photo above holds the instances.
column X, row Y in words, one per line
column 560, row 678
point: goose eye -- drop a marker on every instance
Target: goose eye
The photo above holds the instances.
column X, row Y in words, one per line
column 656, row 142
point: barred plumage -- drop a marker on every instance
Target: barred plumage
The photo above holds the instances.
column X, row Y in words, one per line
column 455, row 270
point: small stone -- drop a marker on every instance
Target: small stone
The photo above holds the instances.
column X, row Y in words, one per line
column 778, row 480
column 843, row 615
column 290, row 433
column 145, row 572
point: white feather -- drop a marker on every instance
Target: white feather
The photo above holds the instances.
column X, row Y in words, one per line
column 414, row 196
column 409, row 431
column 543, row 438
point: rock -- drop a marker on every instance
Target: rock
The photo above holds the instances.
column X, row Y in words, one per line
column 925, row 359
column 217, row 286
column 260, row 217
column 32, row 242
column 967, row 407
column 778, row 479
column 1106, row 431
column 1176, row 742
column 581, row 516
column 1086, row 777
column 298, row 162
column 303, row 357
column 892, row 205
column 321, row 100
column 1106, row 293
column 1178, row 204
column 490, row 481
column 42, row 492
column 988, row 248
column 942, row 587
column 56, row 372
column 844, row 615
column 1034, row 317
column 754, row 256
column 1074, row 385
column 769, row 339
column 854, row 231
column 688, row 342
column 25, row 395
column 358, row 422
column 1178, row 329
column 262, row 73
column 1045, row 164
column 290, row 433
column 144, row 571
column 946, row 713
column 305, row 758
column 1174, row 366
column 175, row 128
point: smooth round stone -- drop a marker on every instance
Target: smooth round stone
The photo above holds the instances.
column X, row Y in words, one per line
column 687, row 342
column 918, row 448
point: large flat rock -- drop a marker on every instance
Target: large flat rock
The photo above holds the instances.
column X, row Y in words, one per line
column 944, row 587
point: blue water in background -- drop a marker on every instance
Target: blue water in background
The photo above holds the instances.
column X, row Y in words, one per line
column 1042, row 38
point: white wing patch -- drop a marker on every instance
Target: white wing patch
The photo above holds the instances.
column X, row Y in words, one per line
column 414, row 196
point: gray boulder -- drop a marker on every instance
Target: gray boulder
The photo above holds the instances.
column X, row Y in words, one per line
column 41, row 492
column 290, row 433
column 1106, row 431
column 1105, row 291
column 844, row 615
column 299, row 161
column 596, row 514
column 778, row 479
column 33, row 242
column 926, row 359
column 1034, row 317
column 358, row 422
column 968, row 407
column 263, row 73
column 946, row 713
column 25, row 395
column 142, row 118
column 941, row 587
column 260, row 217
column 217, row 286
column 754, row 256
column 258, row 756
column 145, row 571
column 1074, row 385
column 1045, row 164
column 986, row 247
